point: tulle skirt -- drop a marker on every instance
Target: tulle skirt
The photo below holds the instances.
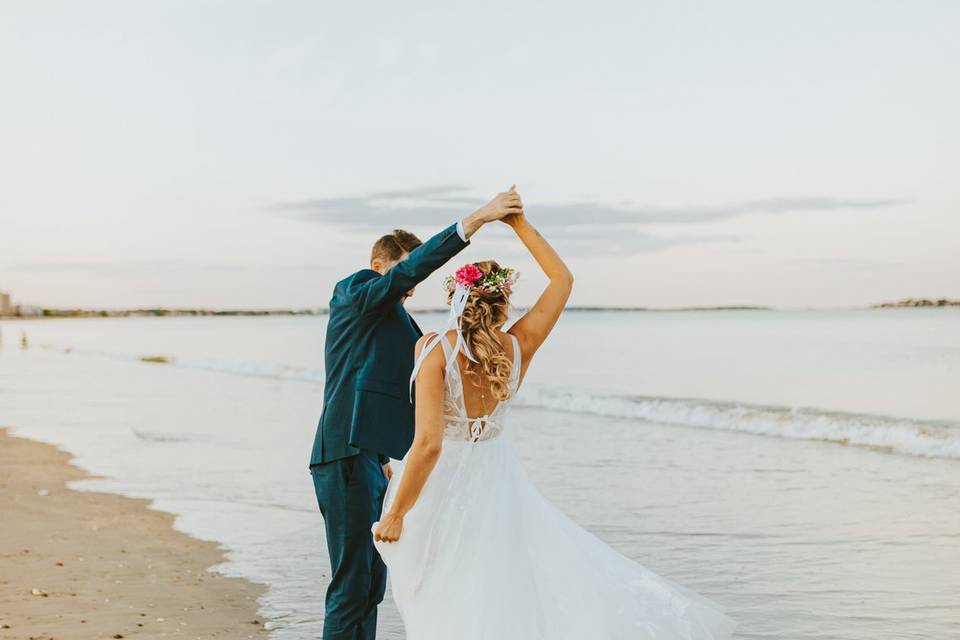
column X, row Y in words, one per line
column 484, row 556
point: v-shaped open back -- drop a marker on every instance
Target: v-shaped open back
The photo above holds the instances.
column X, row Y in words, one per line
column 459, row 425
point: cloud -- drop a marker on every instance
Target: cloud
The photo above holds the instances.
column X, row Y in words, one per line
column 413, row 207
column 612, row 214
column 844, row 264
column 580, row 224
column 424, row 206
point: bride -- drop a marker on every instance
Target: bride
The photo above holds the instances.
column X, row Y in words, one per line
column 473, row 550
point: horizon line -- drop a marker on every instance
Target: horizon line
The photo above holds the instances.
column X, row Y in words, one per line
column 146, row 310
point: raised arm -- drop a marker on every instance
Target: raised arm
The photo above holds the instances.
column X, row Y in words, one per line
column 427, row 443
column 537, row 323
column 373, row 293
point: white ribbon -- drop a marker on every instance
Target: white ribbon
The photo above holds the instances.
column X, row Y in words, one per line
column 458, row 303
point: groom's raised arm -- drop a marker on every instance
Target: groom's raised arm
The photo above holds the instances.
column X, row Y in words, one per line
column 374, row 293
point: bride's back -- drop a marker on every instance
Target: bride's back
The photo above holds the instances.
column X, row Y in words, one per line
column 474, row 402
column 478, row 391
column 482, row 364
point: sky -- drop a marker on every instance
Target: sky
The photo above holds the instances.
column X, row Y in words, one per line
column 247, row 154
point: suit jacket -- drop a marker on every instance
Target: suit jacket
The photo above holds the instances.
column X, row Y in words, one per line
column 369, row 356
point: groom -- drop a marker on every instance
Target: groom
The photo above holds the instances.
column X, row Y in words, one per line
column 367, row 416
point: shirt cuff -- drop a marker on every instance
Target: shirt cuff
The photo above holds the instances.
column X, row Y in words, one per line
column 460, row 231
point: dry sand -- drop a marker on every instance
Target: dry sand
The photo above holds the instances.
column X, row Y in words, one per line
column 77, row 564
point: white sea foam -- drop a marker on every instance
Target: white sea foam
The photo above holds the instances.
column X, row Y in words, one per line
column 931, row 439
column 911, row 437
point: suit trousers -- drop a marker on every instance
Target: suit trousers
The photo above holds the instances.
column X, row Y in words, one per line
column 350, row 494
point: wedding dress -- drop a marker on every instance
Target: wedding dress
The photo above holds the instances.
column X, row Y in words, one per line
column 484, row 556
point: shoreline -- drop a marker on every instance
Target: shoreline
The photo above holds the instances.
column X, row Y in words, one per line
column 82, row 564
column 438, row 310
column 174, row 312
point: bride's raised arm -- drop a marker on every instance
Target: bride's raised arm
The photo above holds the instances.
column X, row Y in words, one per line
column 537, row 323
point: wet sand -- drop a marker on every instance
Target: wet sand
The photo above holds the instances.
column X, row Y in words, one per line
column 78, row 564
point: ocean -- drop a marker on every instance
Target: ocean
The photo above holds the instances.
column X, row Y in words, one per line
column 800, row 467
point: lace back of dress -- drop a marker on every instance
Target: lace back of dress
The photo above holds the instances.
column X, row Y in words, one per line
column 459, row 426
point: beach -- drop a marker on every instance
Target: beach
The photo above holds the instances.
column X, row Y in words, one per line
column 752, row 389
column 800, row 468
column 81, row 564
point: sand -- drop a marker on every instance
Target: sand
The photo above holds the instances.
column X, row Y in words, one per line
column 78, row 564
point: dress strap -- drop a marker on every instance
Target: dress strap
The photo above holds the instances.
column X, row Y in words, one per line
column 449, row 353
column 427, row 348
column 436, row 339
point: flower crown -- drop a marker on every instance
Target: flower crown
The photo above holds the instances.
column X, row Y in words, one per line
column 470, row 276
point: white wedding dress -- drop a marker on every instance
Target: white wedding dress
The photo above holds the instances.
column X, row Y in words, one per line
column 484, row 556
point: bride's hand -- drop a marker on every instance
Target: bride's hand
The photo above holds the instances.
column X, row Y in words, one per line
column 389, row 529
column 513, row 219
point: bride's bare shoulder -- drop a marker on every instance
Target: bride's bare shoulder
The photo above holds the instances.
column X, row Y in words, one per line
column 422, row 342
column 434, row 357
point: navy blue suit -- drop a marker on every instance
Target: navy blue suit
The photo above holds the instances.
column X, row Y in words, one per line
column 367, row 417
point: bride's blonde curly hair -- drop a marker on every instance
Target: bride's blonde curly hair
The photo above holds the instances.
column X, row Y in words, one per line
column 483, row 316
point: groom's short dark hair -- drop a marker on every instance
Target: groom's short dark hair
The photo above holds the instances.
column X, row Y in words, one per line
column 392, row 246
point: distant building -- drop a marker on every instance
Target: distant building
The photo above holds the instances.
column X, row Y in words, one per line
column 27, row 310
column 6, row 308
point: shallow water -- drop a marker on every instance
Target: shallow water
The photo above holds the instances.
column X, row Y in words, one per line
column 799, row 536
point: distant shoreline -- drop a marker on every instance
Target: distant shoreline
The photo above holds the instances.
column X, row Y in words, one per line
column 160, row 312
column 917, row 302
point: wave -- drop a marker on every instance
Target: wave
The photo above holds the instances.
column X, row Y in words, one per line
column 153, row 436
column 931, row 439
column 255, row 369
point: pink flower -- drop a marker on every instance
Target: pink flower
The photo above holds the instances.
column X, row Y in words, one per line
column 468, row 274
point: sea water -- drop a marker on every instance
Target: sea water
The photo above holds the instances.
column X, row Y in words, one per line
column 800, row 467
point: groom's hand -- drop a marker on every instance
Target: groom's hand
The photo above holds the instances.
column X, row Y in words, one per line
column 387, row 471
column 502, row 205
